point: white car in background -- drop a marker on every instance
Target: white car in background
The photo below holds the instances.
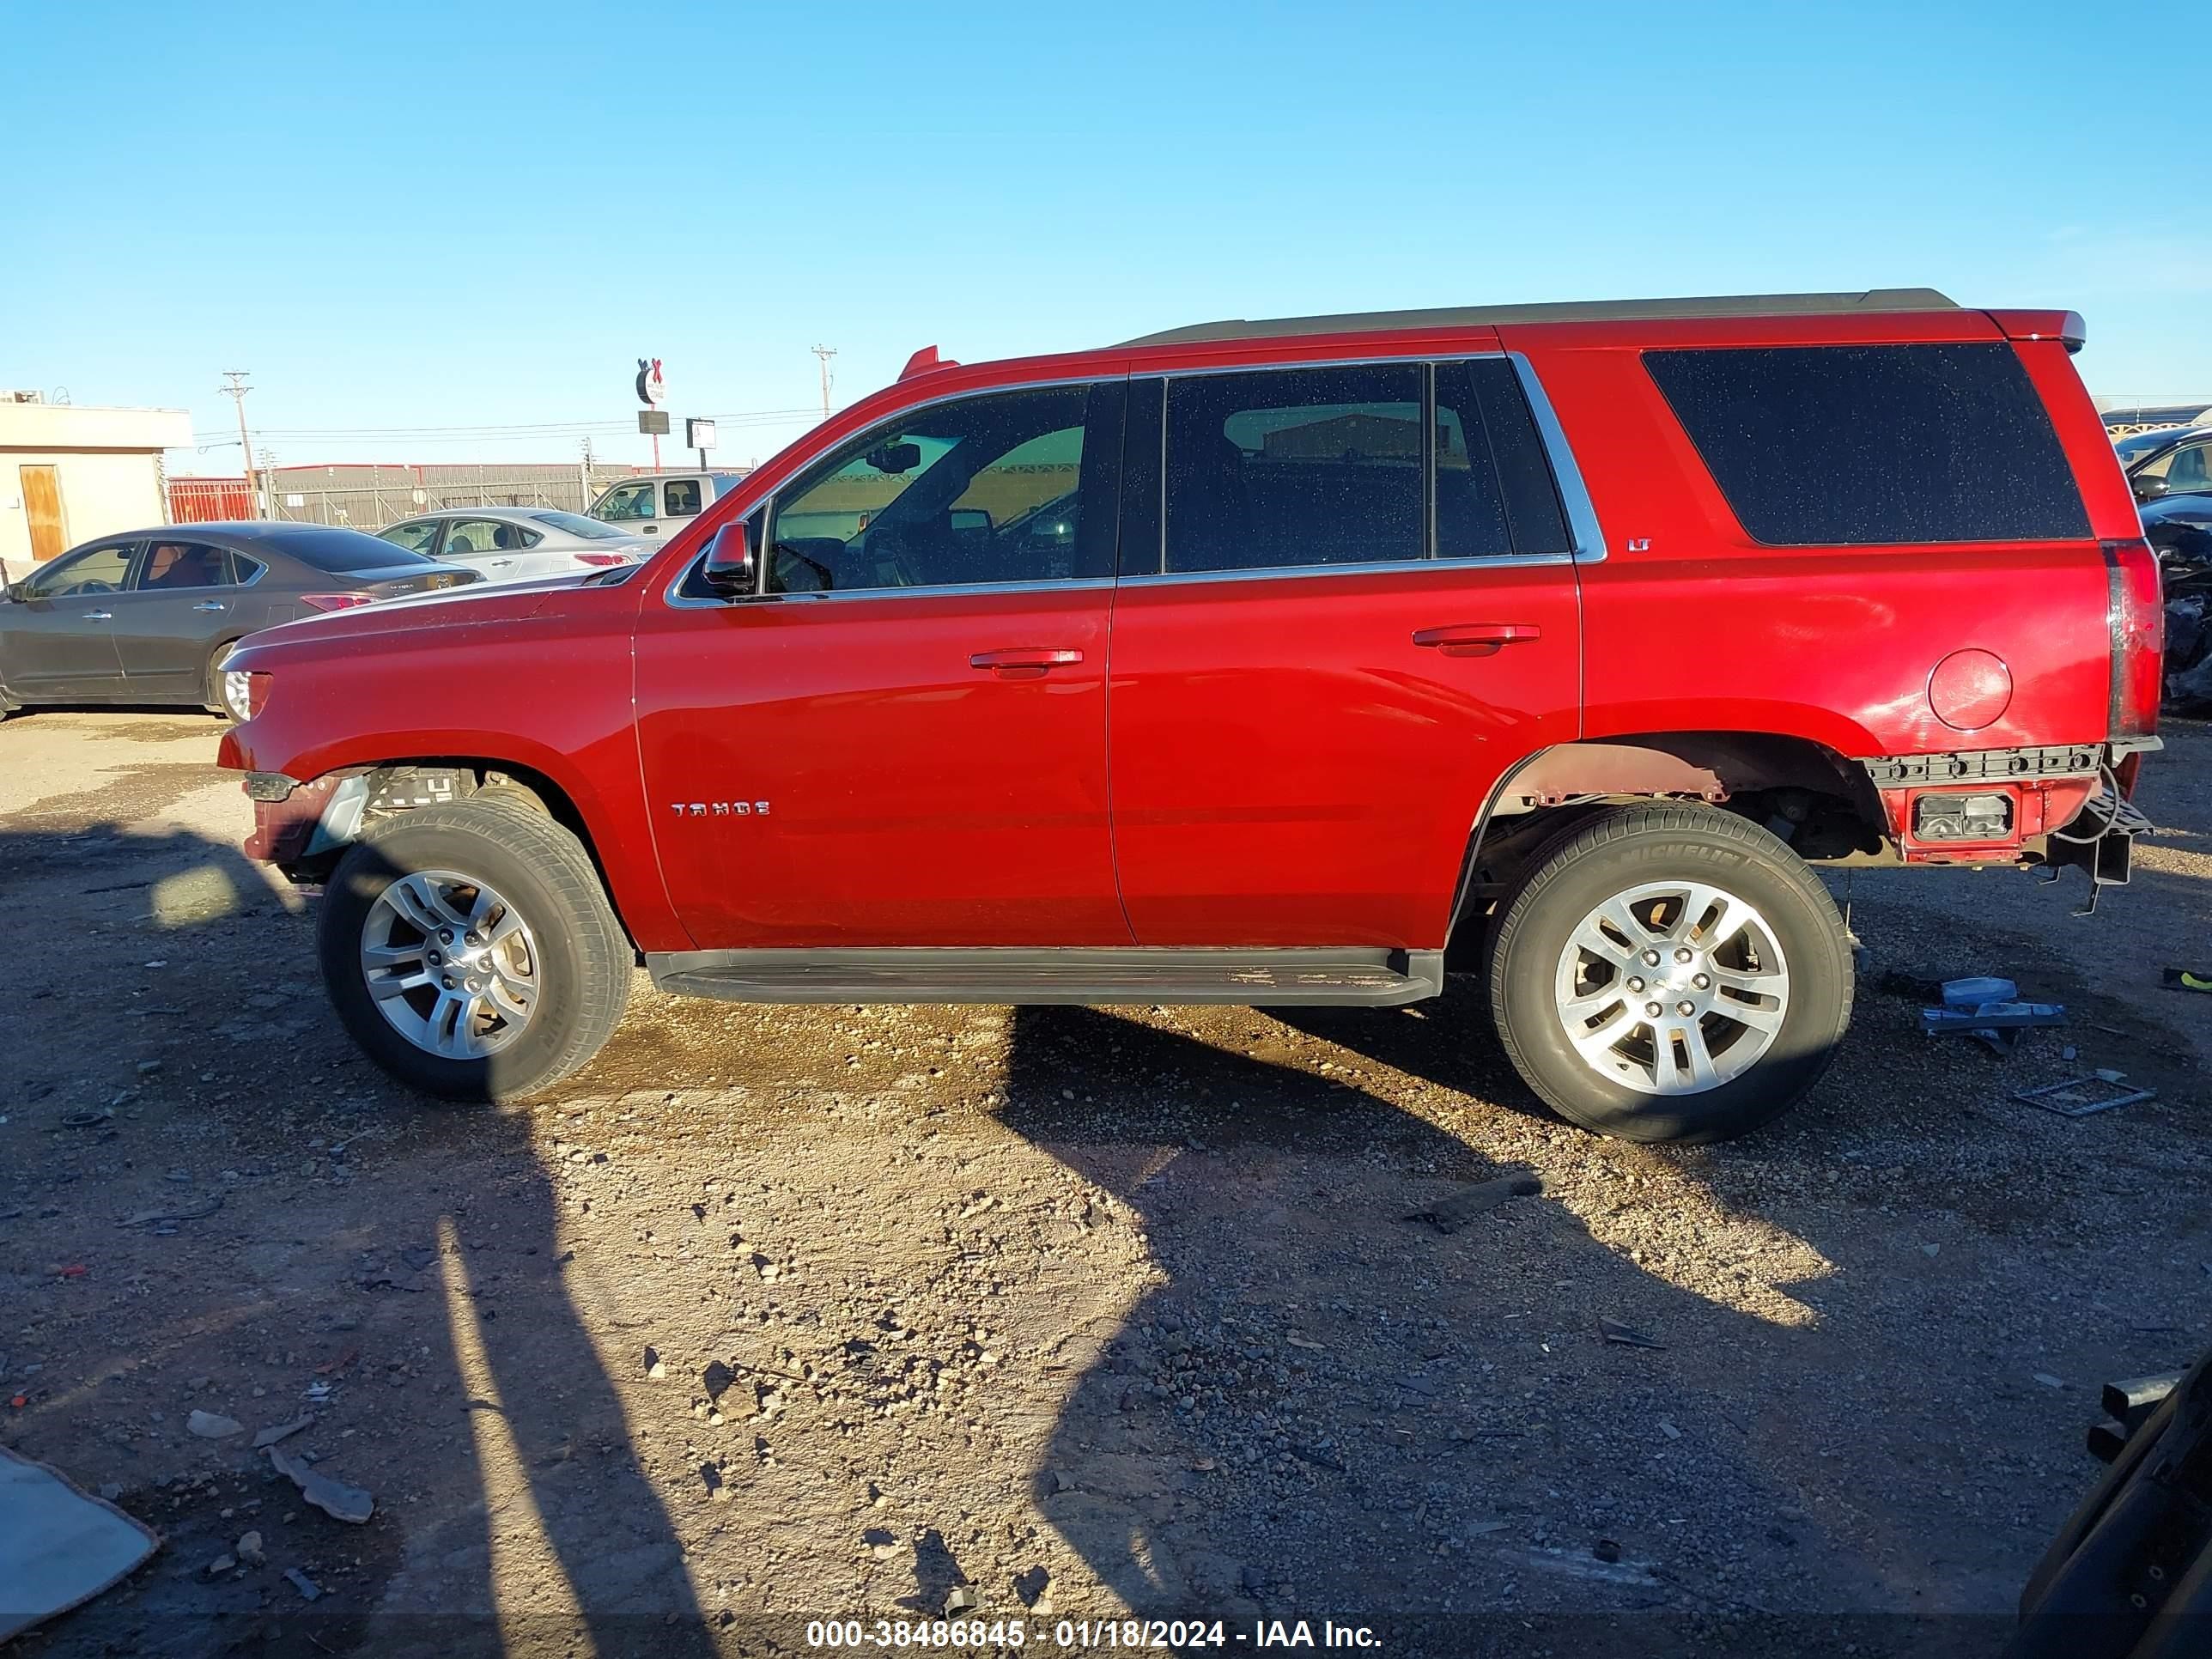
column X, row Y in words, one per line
column 517, row 544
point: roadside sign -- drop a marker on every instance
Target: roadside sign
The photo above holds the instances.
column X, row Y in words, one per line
column 698, row 434
column 655, row 421
column 650, row 388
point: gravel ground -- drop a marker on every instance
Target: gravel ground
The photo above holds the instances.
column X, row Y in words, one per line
column 1064, row 1314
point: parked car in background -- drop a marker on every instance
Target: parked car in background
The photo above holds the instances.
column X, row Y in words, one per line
column 147, row 617
column 2178, row 462
column 1268, row 662
column 662, row 503
column 517, row 544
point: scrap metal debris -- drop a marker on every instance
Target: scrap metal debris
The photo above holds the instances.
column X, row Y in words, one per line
column 2186, row 979
column 333, row 1497
column 1613, row 1331
column 2078, row 1097
column 1450, row 1214
column 308, row 1589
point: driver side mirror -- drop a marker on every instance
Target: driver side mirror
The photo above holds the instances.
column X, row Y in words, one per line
column 732, row 567
column 2152, row 489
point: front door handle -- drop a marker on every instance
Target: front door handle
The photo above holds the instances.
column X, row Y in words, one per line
column 99, row 615
column 501, row 564
column 1025, row 662
column 1477, row 639
column 210, row 604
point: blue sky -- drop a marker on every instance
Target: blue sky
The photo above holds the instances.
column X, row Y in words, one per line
column 406, row 217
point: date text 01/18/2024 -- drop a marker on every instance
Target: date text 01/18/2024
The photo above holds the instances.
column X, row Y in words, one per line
column 994, row 1634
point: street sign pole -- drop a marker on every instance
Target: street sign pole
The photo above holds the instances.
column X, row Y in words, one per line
column 652, row 391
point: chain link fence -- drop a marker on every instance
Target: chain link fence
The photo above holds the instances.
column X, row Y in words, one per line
column 376, row 497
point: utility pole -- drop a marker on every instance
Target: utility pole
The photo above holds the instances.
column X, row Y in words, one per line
column 825, row 353
column 584, row 478
column 269, row 476
column 236, row 392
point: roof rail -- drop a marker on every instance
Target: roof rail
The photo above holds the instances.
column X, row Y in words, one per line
column 1570, row 311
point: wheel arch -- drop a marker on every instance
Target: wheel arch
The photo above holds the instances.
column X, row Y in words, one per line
column 548, row 787
column 1544, row 792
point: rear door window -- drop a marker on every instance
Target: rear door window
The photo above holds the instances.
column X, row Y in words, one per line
column 1296, row 467
column 1829, row 446
column 681, row 497
column 170, row 565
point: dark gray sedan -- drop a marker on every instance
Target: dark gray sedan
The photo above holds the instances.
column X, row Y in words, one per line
column 147, row 617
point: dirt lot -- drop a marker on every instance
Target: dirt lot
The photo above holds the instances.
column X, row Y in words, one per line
column 776, row 1313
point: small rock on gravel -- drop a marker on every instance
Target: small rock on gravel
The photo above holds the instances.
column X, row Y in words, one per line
column 308, row 1589
column 212, row 1425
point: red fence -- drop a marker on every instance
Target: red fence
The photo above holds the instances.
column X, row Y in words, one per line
column 206, row 501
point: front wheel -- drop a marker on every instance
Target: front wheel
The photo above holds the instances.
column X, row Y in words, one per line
column 470, row 951
column 1670, row 973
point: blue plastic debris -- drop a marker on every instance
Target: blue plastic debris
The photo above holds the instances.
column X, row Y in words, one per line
column 1973, row 993
column 1992, row 1017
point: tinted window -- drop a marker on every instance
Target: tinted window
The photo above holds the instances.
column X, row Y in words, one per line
column 1470, row 521
column 415, row 536
column 96, row 570
column 575, row 524
column 243, row 569
column 338, row 552
column 1828, row 445
column 1292, row 467
column 182, row 564
column 987, row 489
column 1524, row 473
column 681, row 496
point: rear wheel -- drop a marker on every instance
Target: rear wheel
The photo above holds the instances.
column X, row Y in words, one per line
column 470, row 951
column 1670, row 973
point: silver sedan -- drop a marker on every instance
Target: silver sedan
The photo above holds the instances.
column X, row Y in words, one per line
column 517, row 544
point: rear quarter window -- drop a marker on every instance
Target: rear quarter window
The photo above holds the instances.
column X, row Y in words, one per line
column 1828, row 446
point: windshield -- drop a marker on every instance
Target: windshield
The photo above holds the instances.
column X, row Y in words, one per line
column 575, row 524
column 2137, row 445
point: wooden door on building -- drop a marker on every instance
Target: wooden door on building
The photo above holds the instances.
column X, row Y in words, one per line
column 42, row 505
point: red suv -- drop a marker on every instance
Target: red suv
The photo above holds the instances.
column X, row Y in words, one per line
column 1275, row 662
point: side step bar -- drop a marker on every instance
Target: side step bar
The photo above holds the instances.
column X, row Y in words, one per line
column 1356, row 977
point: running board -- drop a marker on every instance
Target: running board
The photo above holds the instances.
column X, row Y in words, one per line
column 1356, row 977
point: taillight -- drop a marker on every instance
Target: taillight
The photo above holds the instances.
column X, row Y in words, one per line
column 335, row 601
column 2137, row 621
column 601, row 561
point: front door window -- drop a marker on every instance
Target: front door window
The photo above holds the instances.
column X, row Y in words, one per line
column 982, row 491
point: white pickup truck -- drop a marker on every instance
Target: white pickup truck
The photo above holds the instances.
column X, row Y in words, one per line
column 662, row 503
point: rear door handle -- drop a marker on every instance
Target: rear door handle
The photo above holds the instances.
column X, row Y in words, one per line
column 1477, row 639
column 1025, row 662
column 210, row 604
column 99, row 615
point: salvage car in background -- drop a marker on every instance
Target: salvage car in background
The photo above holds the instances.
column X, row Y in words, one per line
column 147, row 617
column 664, row 503
column 2178, row 462
column 517, row 544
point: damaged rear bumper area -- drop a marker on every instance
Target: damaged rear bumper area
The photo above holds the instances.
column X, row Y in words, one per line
column 2058, row 806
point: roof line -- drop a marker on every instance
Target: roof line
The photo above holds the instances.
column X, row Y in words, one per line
column 1569, row 311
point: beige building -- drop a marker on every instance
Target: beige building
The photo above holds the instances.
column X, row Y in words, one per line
column 69, row 473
